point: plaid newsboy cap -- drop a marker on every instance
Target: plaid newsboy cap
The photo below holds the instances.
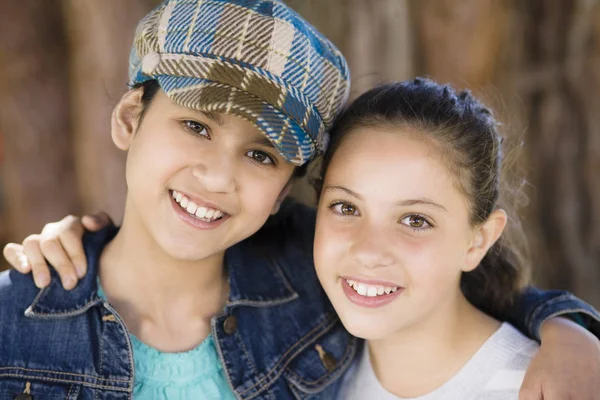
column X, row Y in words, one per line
column 256, row 59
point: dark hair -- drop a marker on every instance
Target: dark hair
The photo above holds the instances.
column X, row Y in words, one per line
column 467, row 134
column 151, row 87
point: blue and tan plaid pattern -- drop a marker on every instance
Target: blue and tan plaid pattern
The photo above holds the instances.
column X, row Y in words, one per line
column 257, row 59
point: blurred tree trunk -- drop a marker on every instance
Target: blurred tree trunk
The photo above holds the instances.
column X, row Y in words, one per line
column 100, row 35
column 447, row 48
column 39, row 179
column 561, row 93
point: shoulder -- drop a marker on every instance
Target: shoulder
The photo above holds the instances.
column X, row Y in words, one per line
column 287, row 238
column 520, row 347
column 17, row 292
column 510, row 336
column 294, row 221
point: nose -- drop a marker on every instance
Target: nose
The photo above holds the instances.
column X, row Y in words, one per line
column 216, row 173
column 372, row 249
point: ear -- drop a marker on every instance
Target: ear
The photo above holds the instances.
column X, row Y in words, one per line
column 125, row 118
column 484, row 237
column 284, row 193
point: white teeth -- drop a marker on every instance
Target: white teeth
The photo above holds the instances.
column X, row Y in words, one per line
column 362, row 289
column 191, row 207
column 370, row 290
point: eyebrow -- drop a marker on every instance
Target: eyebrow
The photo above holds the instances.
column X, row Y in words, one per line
column 263, row 141
column 422, row 201
column 216, row 118
column 343, row 189
column 410, row 202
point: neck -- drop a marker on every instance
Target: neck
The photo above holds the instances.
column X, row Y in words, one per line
column 166, row 302
column 422, row 357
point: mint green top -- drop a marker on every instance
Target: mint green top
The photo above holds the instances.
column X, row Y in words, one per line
column 194, row 374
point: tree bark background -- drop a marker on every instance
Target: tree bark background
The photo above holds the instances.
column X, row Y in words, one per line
column 536, row 62
column 37, row 170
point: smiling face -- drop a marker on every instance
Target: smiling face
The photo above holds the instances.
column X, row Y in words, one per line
column 393, row 232
column 197, row 183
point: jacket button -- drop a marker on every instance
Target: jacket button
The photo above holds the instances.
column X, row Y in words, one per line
column 329, row 361
column 230, row 324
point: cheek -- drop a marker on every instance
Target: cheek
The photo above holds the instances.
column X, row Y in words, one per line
column 155, row 157
column 433, row 264
column 333, row 239
column 258, row 193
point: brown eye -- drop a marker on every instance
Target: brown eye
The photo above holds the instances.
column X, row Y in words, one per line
column 347, row 209
column 196, row 128
column 260, row 157
column 416, row 222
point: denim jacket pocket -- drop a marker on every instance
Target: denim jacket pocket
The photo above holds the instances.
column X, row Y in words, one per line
column 22, row 388
column 316, row 372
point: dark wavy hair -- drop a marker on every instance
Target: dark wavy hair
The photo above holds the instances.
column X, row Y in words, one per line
column 466, row 133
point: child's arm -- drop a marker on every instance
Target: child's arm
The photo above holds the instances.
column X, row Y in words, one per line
column 535, row 306
column 567, row 365
column 60, row 245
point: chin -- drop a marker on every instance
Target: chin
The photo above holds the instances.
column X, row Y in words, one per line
column 365, row 331
column 188, row 251
column 364, row 327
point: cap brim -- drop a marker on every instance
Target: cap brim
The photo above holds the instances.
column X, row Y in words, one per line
column 292, row 142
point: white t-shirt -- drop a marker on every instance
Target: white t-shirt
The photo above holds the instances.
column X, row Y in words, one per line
column 495, row 372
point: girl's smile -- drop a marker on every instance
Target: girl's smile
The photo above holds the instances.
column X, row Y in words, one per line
column 369, row 293
column 197, row 213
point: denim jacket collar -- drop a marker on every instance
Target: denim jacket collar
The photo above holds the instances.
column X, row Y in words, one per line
column 56, row 302
column 254, row 281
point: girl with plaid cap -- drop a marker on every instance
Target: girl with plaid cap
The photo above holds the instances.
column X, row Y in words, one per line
column 195, row 296
column 409, row 247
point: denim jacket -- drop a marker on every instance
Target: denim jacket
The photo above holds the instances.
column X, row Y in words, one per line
column 278, row 337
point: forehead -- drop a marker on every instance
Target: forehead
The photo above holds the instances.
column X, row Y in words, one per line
column 390, row 163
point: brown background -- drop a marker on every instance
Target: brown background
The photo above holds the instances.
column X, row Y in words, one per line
column 63, row 66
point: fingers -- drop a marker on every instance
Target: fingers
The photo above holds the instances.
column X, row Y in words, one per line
column 530, row 390
column 61, row 245
column 73, row 246
column 97, row 221
column 41, row 272
column 13, row 253
column 60, row 260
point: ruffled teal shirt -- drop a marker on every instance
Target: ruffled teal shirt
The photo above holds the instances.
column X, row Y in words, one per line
column 194, row 374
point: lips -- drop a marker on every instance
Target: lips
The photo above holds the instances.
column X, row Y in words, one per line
column 198, row 214
column 370, row 294
column 205, row 213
